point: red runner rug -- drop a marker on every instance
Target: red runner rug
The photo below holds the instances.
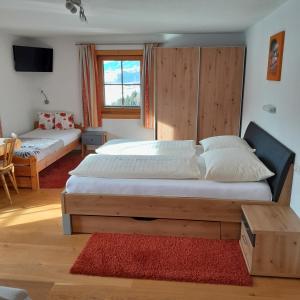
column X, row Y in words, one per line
column 163, row 258
column 56, row 175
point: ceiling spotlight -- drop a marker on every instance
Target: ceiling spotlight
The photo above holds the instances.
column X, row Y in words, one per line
column 73, row 10
column 71, row 6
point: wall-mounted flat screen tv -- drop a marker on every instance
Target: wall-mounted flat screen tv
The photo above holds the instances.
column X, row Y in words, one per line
column 32, row 59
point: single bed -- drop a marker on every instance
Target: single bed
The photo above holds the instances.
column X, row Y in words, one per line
column 49, row 146
column 177, row 207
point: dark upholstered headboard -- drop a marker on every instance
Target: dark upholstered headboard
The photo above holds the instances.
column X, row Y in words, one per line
column 277, row 157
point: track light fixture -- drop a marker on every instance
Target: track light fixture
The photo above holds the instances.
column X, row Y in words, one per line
column 72, row 5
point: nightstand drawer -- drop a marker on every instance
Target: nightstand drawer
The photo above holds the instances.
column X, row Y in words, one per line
column 90, row 139
column 248, row 231
column 246, row 246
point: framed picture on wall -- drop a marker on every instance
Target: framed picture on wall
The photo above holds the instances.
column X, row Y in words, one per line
column 275, row 56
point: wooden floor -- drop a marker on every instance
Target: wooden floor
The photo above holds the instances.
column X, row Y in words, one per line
column 34, row 254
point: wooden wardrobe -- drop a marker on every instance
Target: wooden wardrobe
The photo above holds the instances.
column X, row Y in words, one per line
column 198, row 92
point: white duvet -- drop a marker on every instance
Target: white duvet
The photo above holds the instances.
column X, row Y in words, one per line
column 67, row 136
column 137, row 166
column 132, row 147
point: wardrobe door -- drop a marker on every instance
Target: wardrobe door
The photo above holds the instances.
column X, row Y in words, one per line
column 220, row 96
column 176, row 90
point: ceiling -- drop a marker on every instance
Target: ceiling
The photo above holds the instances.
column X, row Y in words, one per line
column 50, row 17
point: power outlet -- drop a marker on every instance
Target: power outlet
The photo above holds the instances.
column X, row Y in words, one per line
column 297, row 168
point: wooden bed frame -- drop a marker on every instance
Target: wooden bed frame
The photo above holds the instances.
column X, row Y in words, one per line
column 200, row 217
column 160, row 215
column 27, row 169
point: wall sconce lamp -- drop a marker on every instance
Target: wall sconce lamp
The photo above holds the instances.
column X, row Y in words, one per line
column 270, row 108
column 46, row 100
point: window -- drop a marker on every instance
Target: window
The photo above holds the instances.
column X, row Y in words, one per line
column 120, row 83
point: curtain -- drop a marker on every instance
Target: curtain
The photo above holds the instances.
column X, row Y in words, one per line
column 148, row 105
column 91, row 100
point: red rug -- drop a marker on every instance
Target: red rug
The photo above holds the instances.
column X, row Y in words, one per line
column 163, row 258
column 57, row 174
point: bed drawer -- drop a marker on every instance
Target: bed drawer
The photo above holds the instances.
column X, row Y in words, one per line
column 230, row 231
column 166, row 227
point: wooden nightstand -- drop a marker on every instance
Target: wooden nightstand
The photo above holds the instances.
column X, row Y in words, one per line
column 270, row 240
column 92, row 137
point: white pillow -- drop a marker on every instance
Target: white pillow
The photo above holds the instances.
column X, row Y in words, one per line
column 138, row 167
column 46, row 120
column 136, row 147
column 64, row 120
column 234, row 165
column 224, row 141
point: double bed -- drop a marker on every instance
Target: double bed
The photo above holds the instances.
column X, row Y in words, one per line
column 40, row 148
column 177, row 207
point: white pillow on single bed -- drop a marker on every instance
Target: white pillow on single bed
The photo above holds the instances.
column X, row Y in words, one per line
column 225, row 141
column 64, row 121
column 46, row 120
column 234, row 165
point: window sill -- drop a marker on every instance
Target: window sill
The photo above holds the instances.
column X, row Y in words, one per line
column 121, row 113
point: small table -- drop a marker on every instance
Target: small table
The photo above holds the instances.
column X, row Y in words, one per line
column 17, row 145
column 92, row 137
column 270, row 240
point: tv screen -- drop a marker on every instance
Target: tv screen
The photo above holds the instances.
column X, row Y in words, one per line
column 31, row 59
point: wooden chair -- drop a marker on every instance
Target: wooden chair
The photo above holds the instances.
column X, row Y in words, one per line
column 7, row 167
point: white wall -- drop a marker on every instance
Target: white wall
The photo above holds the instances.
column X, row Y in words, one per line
column 16, row 92
column 20, row 96
column 62, row 86
column 285, row 94
column 166, row 39
column 128, row 129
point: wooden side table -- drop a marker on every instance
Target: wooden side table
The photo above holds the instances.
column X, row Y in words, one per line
column 270, row 240
column 92, row 137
